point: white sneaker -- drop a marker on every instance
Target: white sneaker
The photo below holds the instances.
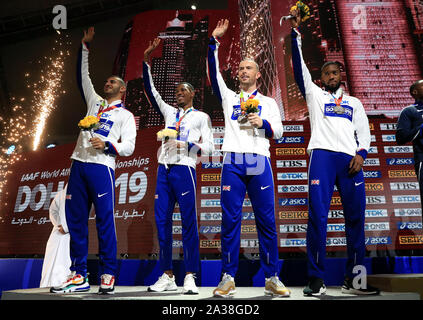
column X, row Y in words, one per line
column 165, row 283
column 189, row 284
column 226, row 287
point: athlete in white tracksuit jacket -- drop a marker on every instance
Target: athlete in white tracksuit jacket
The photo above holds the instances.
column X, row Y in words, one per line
column 176, row 176
column 340, row 138
column 92, row 178
column 246, row 168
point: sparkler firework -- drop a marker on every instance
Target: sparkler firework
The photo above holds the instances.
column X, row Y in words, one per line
column 17, row 129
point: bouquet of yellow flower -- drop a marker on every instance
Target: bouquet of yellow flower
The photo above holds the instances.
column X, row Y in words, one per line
column 304, row 10
column 249, row 106
column 89, row 123
column 167, row 134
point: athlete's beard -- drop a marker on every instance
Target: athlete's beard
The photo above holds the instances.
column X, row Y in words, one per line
column 332, row 88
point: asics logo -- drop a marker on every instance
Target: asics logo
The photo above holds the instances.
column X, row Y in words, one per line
column 100, row 195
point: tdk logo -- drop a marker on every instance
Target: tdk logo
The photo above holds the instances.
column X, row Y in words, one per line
column 284, row 140
column 291, row 163
column 293, row 201
column 406, row 199
column 292, row 175
column 399, row 161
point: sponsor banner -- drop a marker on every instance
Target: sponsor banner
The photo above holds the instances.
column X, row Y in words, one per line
column 372, row 138
column 210, row 177
column 290, row 151
column 377, row 186
column 399, row 161
column 286, row 215
column 375, row 199
column 372, row 150
column 401, row 174
column 218, row 129
column 293, row 188
column 177, row 244
column 335, row 214
column 217, row 216
column 388, row 138
column 209, row 244
column 249, row 243
column 409, row 225
column 388, row 126
column 284, row 140
column 210, row 190
column 211, row 165
column 213, row 203
column 336, row 241
column 176, row 216
column 370, row 162
column 176, row 229
column 378, row 240
column 398, row 149
column 293, row 128
column 333, row 227
column 248, row 228
column 336, row 201
column 210, row 229
column 406, row 199
column 292, row 176
column 291, row 163
column 293, row 201
column 372, row 174
column 218, row 141
column 408, row 212
column 395, row 186
column 293, row 228
column 414, row 239
column 376, row 213
column 296, row 242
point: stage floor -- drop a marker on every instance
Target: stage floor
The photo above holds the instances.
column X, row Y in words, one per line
column 206, row 293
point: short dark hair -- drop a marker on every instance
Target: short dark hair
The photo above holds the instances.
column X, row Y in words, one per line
column 187, row 84
column 119, row 79
column 413, row 86
column 328, row 63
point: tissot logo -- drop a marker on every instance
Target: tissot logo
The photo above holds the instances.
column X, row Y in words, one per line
column 293, row 128
column 388, row 126
column 388, row 138
column 291, row 163
column 404, row 186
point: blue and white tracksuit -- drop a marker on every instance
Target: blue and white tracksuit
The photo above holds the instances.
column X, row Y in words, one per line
column 335, row 140
column 92, row 178
column 246, row 167
column 176, row 176
column 410, row 129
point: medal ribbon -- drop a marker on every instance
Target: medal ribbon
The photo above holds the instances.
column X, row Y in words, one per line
column 101, row 111
column 178, row 121
column 241, row 96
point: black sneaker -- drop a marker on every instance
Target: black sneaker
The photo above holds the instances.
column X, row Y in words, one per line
column 315, row 287
column 348, row 287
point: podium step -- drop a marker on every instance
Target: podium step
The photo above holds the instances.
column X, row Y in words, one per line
column 410, row 282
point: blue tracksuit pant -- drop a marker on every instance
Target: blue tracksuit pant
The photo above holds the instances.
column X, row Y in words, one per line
column 252, row 173
column 326, row 169
column 91, row 183
column 177, row 183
